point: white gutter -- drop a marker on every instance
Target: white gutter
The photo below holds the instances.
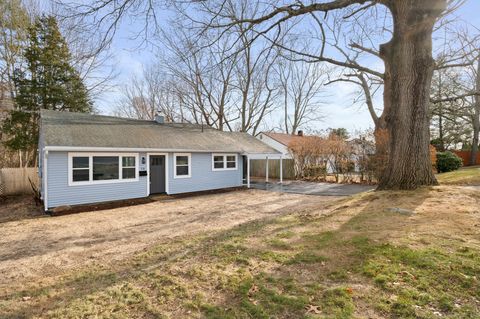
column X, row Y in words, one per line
column 163, row 150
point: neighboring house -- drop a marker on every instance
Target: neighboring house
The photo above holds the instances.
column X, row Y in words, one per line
column 279, row 141
column 92, row 158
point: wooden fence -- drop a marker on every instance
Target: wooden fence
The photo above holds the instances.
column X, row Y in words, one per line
column 258, row 168
column 15, row 180
column 465, row 156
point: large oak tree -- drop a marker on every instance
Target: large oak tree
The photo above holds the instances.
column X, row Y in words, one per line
column 408, row 70
column 406, row 56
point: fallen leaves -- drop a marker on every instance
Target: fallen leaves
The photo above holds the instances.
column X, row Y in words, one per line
column 313, row 309
column 254, row 289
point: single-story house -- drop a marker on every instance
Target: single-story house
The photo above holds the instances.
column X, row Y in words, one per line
column 85, row 158
column 280, row 141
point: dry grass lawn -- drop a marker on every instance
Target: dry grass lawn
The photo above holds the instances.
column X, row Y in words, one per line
column 37, row 246
column 463, row 176
column 299, row 257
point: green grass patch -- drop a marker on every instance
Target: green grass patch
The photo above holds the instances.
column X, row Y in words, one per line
column 306, row 257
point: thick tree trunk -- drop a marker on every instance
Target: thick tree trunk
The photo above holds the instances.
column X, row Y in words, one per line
column 476, row 120
column 408, row 75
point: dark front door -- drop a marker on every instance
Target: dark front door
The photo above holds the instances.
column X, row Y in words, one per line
column 157, row 174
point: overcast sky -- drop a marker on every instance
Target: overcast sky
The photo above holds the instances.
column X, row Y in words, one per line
column 338, row 111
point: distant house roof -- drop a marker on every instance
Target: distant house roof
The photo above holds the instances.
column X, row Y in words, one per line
column 68, row 129
column 283, row 138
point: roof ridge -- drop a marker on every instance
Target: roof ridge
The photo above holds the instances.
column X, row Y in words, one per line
column 68, row 114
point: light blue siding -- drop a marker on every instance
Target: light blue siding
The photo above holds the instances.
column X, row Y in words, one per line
column 59, row 193
column 202, row 176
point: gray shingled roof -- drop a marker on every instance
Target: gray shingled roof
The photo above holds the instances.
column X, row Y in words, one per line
column 85, row 130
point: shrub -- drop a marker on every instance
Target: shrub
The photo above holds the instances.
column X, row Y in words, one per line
column 447, row 162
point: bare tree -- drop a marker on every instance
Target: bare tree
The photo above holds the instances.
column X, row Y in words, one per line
column 150, row 93
column 204, row 76
column 15, row 19
column 301, row 92
column 476, row 117
column 456, row 88
column 253, row 78
column 407, row 59
column 406, row 56
column 227, row 84
column 94, row 60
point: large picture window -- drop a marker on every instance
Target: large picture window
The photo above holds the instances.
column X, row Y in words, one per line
column 105, row 168
column 224, row 162
column 182, row 165
column 99, row 168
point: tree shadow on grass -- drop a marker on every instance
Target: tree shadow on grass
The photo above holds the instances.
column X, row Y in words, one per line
column 341, row 265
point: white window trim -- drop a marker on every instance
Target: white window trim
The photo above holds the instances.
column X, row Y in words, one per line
column 189, row 155
column 224, row 162
column 122, row 167
column 90, row 168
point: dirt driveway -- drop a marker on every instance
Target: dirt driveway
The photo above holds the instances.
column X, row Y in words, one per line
column 47, row 246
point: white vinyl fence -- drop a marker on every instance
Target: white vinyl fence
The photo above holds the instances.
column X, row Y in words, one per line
column 15, row 180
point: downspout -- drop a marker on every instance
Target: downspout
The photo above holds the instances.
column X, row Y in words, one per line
column 45, row 179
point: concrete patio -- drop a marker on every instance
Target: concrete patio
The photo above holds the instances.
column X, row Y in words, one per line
column 312, row 188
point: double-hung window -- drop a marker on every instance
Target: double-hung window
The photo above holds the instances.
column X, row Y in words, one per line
column 218, row 162
column 128, row 167
column 223, row 162
column 98, row 168
column 183, row 165
column 80, row 169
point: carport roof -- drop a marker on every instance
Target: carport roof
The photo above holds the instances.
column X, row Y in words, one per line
column 80, row 130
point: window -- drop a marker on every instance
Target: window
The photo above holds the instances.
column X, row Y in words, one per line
column 231, row 161
column 105, row 168
column 222, row 162
column 218, row 162
column 81, row 169
column 100, row 168
column 128, row 167
column 182, row 165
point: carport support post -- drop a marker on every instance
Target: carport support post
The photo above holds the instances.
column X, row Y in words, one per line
column 248, row 171
column 266, row 170
column 281, row 169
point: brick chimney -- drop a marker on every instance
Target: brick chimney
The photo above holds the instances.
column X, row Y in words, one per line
column 300, row 133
